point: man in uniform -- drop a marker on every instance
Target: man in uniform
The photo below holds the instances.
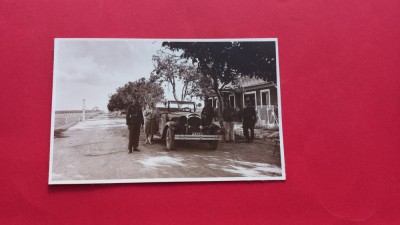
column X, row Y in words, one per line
column 134, row 120
column 207, row 114
column 249, row 121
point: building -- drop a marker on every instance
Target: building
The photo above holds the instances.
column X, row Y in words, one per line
column 263, row 95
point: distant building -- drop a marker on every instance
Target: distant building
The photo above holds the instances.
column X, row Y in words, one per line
column 262, row 94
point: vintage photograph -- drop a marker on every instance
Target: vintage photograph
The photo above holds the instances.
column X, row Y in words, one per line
column 165, row 110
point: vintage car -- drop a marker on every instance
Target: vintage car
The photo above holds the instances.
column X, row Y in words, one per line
column 179, row 121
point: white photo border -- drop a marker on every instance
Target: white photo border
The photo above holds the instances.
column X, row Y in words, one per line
column 163, row 180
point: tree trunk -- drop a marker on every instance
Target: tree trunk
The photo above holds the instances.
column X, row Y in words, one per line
column 184, row 91
column 174, row 92
column 220, row 102
column 220, row 109
column 171, row 80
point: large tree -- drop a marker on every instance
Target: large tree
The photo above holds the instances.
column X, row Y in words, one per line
column 222, row 63
column 116, row 101
column 146, row 90
column 170, row 68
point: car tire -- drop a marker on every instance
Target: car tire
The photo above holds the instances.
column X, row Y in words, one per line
column 170, row 139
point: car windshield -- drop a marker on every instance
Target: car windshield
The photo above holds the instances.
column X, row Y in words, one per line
column 181, row 106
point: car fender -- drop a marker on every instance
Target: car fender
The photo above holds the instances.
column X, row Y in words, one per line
column 168, row 124
column 216, row 129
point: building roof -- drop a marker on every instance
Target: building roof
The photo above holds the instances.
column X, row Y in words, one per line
column 249, row 82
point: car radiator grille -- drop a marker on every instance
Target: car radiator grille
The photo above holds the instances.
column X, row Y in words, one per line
column 194, row 121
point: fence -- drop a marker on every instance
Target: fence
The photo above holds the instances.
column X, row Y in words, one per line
column 63, row 118
column 267, row 114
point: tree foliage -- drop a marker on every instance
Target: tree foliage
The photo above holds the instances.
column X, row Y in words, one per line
column 172, row 69
column 146, row 90
column 222, row 63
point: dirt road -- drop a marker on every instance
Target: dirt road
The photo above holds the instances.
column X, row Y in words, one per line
column 96, row 149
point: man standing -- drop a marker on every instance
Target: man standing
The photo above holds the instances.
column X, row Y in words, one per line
column 249, row 121
column 134, row 120
column 207, row 114
column 229, row 116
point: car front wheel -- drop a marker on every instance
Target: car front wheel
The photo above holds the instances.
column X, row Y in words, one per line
column 170, row 139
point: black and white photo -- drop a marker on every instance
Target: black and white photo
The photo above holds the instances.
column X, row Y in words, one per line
column 165, row 110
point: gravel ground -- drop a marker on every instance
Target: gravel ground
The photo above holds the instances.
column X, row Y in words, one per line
column 96, row 149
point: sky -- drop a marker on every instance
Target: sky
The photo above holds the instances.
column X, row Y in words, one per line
column 92, row 69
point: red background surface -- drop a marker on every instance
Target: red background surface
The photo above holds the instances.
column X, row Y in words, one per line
column 339, row 63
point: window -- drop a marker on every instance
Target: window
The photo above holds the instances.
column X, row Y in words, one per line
column 232, row 101
column 210, row 101
column 265, row 97
column 250, row 96
column 213, row 101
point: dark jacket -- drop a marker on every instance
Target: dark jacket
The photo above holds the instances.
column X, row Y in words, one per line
column 229, row 114
column 249, row 116
column 207, row 115
column 134, row 115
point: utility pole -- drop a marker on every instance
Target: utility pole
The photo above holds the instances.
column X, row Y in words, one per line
column 83, row 109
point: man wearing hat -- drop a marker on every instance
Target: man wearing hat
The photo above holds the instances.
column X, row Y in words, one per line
column 249, row 121
column 134, row 120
